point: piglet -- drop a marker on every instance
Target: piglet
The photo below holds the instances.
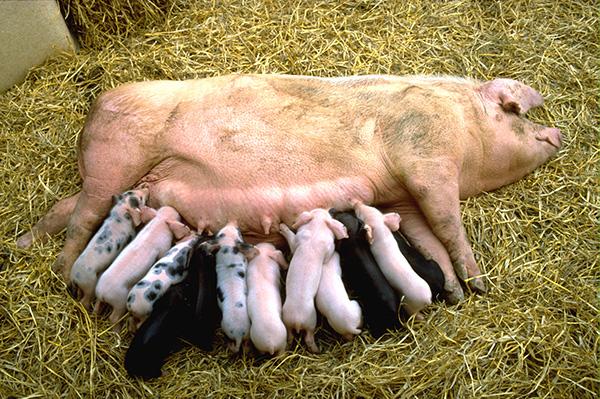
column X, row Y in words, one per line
column 392, row 263
column 188, row 311
column 428, row 269
column 153, row 241
column 361, row 274
column 232, row 255
column 312, row 245
column 117, row 230
column 267, row 331
column 168, row 270
column 342, row 314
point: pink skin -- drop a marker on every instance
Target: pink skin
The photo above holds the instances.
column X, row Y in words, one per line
column 312, row 245
column 343, row 315
column 153, row 241
column 261, row 149
column 394, row 266
column 267, row 331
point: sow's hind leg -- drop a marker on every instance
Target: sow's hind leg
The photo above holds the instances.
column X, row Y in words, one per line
column 52, row 223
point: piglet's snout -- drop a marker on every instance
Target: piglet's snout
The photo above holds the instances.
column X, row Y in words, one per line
column 551, row 135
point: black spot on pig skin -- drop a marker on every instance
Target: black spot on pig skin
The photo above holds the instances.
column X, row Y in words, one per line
column 109, row 248
column 241, row 274
column 175, row 270
column 157, row 285
column 127, row 216
column 232, row 265
column 142, row 283
column 150, row 295
column 118, row 219
column 181, row 259
column 226, row 250
column 104, row 235
column 130, row 298
column 134, row 202
column 236, row 250
column 239, row 305
column 220, row 295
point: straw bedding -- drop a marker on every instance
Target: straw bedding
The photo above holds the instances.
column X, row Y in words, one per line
column 535, row 334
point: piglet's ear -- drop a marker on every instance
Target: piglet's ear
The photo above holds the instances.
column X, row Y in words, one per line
column 210, row 246
column 304, row 218
column 147, row 214
column 136, row 215
column 249, row 251
column 392, row 221
column 278, row 257
column 179, row 229
column 338, row 229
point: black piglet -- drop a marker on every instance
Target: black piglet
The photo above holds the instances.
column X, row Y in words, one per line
column 187, row 310
column 362, row 276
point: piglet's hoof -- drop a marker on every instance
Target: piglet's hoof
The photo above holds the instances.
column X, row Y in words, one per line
column 25, row 241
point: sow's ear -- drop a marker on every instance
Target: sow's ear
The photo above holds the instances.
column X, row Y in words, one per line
column 278, row 257
column 392, row 221
column 304, row 218
column 511, row 95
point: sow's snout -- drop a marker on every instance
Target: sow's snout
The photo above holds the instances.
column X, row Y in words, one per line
column 550, row 135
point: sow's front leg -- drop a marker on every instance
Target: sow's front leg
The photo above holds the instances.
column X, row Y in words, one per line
column 435, row 188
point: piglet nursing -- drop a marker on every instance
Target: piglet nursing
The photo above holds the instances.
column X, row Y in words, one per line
column 343, row 315
column 362, row 275
column 188, row 310
column 170, row 269
column 117, row 230
column 312, row 245
column 153, row 241
column 232, row 255
column 267, row 331
column 392, row 263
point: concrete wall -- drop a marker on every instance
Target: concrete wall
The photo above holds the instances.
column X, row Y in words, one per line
column 30, row 32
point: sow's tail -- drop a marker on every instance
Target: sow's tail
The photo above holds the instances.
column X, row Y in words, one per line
column 52, row 223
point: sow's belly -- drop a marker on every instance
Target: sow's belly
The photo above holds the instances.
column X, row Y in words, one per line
column 257, row 206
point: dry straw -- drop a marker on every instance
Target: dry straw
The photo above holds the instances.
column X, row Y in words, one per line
column 535, row 334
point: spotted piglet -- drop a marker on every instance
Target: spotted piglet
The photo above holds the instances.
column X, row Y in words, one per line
column 267, row 331
column 117, row 230
column 168, row 270
column 153, row 242
column 342, row 314
column 187, row 311
column 395, row 267
column 232, row 255
column 312, row 245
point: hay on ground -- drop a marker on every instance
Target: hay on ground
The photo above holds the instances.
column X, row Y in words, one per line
column 535, row 334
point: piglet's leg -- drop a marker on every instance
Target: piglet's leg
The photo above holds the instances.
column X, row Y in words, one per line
column 52, row 223
column 435, row 188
